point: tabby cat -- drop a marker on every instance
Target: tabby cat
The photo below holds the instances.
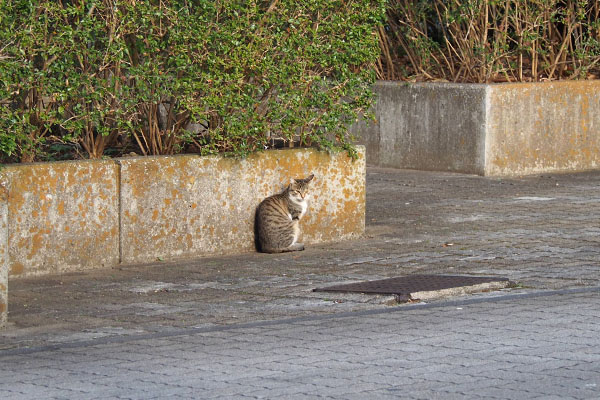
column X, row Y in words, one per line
column 278, row 216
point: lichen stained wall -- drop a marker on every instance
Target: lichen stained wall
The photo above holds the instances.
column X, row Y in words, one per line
column 186, row 206
column 543, row 127
column 76, row 215
column 62, row 216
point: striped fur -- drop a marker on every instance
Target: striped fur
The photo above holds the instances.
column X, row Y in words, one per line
column 278, row 218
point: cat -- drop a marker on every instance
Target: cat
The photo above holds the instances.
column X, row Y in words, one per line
column 277, row 220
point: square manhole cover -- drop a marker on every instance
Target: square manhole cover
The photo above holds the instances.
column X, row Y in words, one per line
column 413, row 285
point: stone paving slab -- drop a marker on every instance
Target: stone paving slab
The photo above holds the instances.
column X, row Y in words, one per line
column 421, row 351
column 541, row 232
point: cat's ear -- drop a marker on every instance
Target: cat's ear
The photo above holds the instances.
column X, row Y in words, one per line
column 310, row 178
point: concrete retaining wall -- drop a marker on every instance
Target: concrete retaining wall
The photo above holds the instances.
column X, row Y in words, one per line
column 542, row 127
column 496, row 129
column 62, row 216
column 69, row 216
column 187, row 206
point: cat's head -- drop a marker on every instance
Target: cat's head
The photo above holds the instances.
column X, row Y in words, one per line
column 298, row 188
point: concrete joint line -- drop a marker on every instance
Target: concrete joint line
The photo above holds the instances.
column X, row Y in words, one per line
column 486, row 151
column 119, row 211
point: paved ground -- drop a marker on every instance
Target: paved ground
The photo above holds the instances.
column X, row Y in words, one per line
column 527, row 347
column 184, row 318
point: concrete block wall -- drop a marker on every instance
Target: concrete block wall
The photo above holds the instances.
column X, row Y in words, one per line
column 186, row 206
column 77, row 215
column 63, row 216
column 427, row 126
column 542, row 127
column 485, row 129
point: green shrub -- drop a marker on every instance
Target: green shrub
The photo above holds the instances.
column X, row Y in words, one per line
column 111, row 76
column 490, row 40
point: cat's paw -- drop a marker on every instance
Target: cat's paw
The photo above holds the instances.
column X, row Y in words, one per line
column 297, row 247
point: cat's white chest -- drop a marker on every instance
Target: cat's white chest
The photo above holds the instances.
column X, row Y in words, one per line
column 304, row 206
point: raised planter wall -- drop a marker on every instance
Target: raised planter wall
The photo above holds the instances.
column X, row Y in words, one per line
column 78, row 215
column 62, row 216
column 70, row 216
column 543, row 127
column 486, row 129
column 187, row 206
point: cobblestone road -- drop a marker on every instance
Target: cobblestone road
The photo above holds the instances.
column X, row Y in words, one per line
column 508, row 347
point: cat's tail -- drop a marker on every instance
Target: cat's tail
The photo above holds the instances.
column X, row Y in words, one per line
column 257, row 245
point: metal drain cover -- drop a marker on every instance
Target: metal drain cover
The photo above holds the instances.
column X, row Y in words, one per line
column 413, row 285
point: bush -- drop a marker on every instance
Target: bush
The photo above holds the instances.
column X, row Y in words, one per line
column 490, row 40
column 106, row 77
